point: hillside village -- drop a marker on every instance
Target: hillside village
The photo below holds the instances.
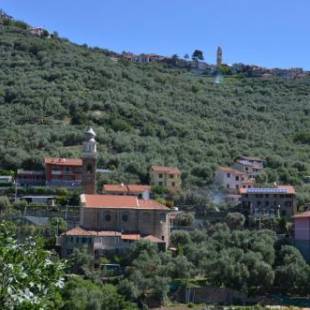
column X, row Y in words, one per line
column 159, row 234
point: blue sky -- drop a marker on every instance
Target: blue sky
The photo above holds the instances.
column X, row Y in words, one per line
column 272, row 33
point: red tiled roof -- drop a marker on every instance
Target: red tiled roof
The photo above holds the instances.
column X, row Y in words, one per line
column 63, row 161
column 231, row 170
column 120, row 202
column 130, row 188
column 79, row 231
column 302, row 215
column 138, row 188
column 132, row 237
column 115, row 188
column 162, row 169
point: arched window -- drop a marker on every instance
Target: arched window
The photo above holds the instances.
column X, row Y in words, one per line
column 125, row 217
column 108, row 217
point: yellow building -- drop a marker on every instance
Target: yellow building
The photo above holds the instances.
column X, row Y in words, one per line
column 169, row 177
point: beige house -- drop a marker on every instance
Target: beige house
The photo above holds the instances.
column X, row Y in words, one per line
column 168, row 177
column 232, row 179
column 113, row 222
column 269, row 202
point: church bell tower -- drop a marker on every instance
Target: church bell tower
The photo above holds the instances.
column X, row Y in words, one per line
column 89, row 159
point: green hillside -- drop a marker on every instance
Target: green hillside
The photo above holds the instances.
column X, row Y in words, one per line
column 51, row 90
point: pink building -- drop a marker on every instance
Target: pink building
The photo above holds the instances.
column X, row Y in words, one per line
column 302, row 233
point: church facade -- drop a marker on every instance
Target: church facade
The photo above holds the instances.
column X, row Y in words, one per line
column 113, row 222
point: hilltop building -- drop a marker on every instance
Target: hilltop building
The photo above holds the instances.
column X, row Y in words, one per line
column 269, row 202
column 168, row 177
column 142, row 58
column 302, row 233
column 37, row 31
column 4, row 15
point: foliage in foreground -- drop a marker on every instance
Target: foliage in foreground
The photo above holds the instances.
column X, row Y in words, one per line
column 31, row 278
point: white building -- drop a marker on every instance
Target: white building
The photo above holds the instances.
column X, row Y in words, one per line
column 232, row 179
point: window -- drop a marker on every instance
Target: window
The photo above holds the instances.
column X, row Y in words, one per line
column 173, row 184
column 171, row 176
column 160, row 175
column 163, row 238
column 160, row 183
column 228, row 175
column 125, row 217
column 246, row 168
column 237, row 178
column 108, row 217
column 227, row 186
column 237, row 186
column 89, row 168
column 162, row 217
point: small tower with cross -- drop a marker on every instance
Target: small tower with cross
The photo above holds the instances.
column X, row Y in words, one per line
column 89, row 159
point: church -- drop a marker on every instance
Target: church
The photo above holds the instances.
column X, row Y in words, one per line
column 112, row 222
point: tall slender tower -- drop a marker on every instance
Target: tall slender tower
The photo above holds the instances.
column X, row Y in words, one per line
column 219, row 56
column 89, row 159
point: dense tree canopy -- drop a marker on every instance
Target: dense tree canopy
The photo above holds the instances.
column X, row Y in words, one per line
column 51, row 89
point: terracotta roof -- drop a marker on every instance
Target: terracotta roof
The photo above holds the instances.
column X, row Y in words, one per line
column 281, row 189
column 162, row 169
column 132, row 237
column 63, row 161
column 79, row 231
column 231, row 170
column 115, row 188
column 130, row 188
column 302, row 215
column 153, row 239
column 120, row 202
column 138, row 188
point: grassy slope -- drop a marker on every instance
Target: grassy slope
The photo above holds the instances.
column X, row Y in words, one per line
column 50, row 90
